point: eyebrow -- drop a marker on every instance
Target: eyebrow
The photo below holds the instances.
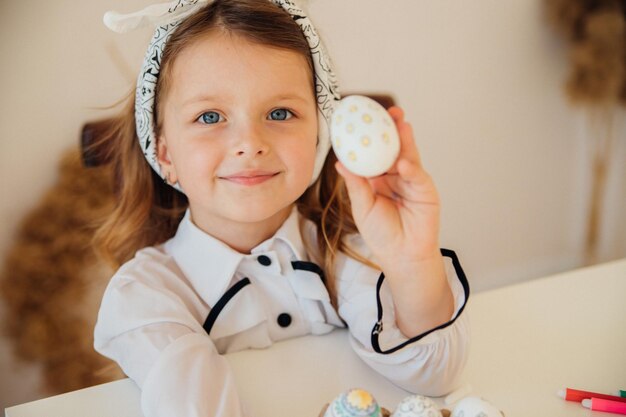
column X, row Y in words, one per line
column 200, row 97
column 205, row 97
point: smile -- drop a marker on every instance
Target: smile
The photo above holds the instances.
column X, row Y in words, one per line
column 250, row 178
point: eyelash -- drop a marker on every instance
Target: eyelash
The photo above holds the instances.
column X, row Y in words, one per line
column 199, row 118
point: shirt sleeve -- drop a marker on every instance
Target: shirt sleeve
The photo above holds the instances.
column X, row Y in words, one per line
column 429, row 363
column 151, row 332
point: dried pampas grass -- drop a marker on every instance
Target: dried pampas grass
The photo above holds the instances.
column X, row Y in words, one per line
column 596, row 32
column 52, row 282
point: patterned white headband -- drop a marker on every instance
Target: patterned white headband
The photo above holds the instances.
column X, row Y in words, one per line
column 167, row 16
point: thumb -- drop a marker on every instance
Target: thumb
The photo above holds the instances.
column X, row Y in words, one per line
column 359, row 191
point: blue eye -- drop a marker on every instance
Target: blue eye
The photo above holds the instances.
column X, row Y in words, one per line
column 281, row 114
column 210, row 117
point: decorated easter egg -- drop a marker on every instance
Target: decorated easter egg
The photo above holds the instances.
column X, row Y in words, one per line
column 364, row 136
column 417, row 406
column 475, row 407
column 354, row 403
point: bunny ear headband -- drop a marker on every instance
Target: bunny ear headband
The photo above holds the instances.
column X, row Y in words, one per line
column 166, row 17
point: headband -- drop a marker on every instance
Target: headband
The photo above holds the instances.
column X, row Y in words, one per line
column 166, row 17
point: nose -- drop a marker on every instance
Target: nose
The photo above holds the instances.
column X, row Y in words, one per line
column 251, row 141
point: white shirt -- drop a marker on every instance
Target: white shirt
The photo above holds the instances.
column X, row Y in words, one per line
column 154, row 308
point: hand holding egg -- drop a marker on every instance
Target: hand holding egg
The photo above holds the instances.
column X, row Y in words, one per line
column 394, row 201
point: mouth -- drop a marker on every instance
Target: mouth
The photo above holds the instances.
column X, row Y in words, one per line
column 250, row 177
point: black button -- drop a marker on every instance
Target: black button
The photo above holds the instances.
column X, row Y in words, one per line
column 284, row 320
column 264, row 260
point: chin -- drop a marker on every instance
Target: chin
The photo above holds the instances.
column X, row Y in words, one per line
column 254, row 213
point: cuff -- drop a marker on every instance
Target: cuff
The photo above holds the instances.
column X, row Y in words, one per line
column 459, row 306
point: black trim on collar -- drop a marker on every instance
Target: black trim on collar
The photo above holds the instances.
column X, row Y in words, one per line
column 378, row 327
column 309, row 266
column 315, row 268
column 232, row 291
column 221, row 303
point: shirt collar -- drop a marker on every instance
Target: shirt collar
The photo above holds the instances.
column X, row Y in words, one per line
column 289, row 234
column 209, row 264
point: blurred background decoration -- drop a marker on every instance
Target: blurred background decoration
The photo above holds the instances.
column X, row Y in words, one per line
column 51, row 281
column 595, row 32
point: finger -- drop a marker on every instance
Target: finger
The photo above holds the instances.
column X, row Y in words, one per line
column 381, row 187
column 396, row 113
column 408, row 148
column 411, row 172
column 415, row 185
column 359, row 191
column 379, row 184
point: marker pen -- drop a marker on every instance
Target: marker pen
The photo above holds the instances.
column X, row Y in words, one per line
column 621, row 393
column 570, row 394
column 598, row 404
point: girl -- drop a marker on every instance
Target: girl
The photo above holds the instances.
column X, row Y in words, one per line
column 239, row 232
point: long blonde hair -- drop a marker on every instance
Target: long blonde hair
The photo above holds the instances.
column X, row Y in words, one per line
column 149, row 211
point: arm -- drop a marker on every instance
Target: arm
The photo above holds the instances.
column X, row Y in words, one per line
column 397, row 215
column 151, row 332
column 428, row 363
column 421, row 294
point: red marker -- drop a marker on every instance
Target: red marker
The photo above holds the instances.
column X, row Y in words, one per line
column 577, row 395
column 598, row 404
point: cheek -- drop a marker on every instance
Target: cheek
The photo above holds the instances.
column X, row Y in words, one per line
column 303, row 149
column 197, row 162
column 302, row 155
column 309, row 142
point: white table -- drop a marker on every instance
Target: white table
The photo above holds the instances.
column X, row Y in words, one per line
column 528, row 341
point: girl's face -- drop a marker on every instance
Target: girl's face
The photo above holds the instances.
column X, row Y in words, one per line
column 239, row 130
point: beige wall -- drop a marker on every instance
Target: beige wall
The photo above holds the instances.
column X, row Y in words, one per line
column 480, row 82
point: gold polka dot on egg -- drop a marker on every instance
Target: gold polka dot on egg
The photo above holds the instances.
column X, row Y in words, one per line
column 353, row 108
column 386, row 137
column 350, row 128
column 338, row 119
column 338, row 142
column 367, row 118
column 352, row 156
column 365, row 141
